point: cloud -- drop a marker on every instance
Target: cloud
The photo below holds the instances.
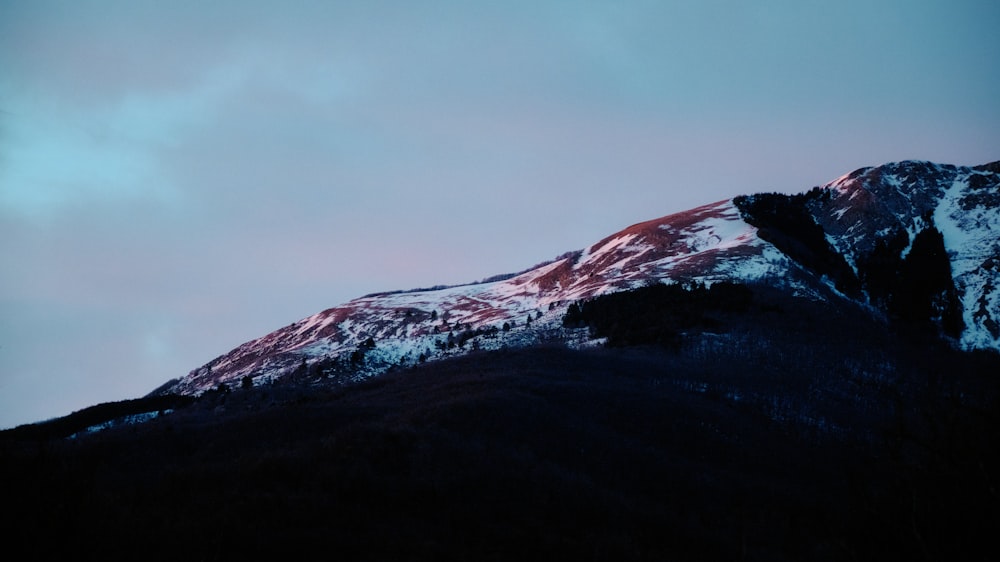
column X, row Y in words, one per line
column 177, row 178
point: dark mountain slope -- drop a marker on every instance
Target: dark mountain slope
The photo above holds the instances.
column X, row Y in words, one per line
column 786, row 397
column 792, row 430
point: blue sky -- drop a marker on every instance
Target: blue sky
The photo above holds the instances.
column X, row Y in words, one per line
column 179, row 177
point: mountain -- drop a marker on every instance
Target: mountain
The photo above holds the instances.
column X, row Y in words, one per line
column 913, row 242
column 881, row 215
column 781, row 377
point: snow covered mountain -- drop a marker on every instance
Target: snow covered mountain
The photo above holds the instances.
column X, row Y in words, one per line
column 874, row 236
column 878, row 213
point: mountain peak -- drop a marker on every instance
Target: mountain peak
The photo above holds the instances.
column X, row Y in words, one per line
column 825, row 244
column 878, row 209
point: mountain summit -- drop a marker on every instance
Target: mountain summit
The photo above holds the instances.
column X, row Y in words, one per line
column 913, row 241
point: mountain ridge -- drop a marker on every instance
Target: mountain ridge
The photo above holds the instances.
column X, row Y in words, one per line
column 778, row 399
column 851, row 238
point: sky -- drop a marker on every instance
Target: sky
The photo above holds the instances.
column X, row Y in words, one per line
column 177, row 178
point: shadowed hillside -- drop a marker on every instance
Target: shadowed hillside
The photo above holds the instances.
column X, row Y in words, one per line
column 768, row 429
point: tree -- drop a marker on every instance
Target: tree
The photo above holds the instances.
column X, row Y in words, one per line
column 926, row 291
column 880, row 269
column 573, row 317
column 357, row 356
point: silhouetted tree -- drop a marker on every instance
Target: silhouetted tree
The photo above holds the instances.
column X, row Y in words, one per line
column 880, row 270
column 926, row 291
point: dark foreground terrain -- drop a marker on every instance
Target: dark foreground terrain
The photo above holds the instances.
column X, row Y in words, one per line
column 743, row 439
